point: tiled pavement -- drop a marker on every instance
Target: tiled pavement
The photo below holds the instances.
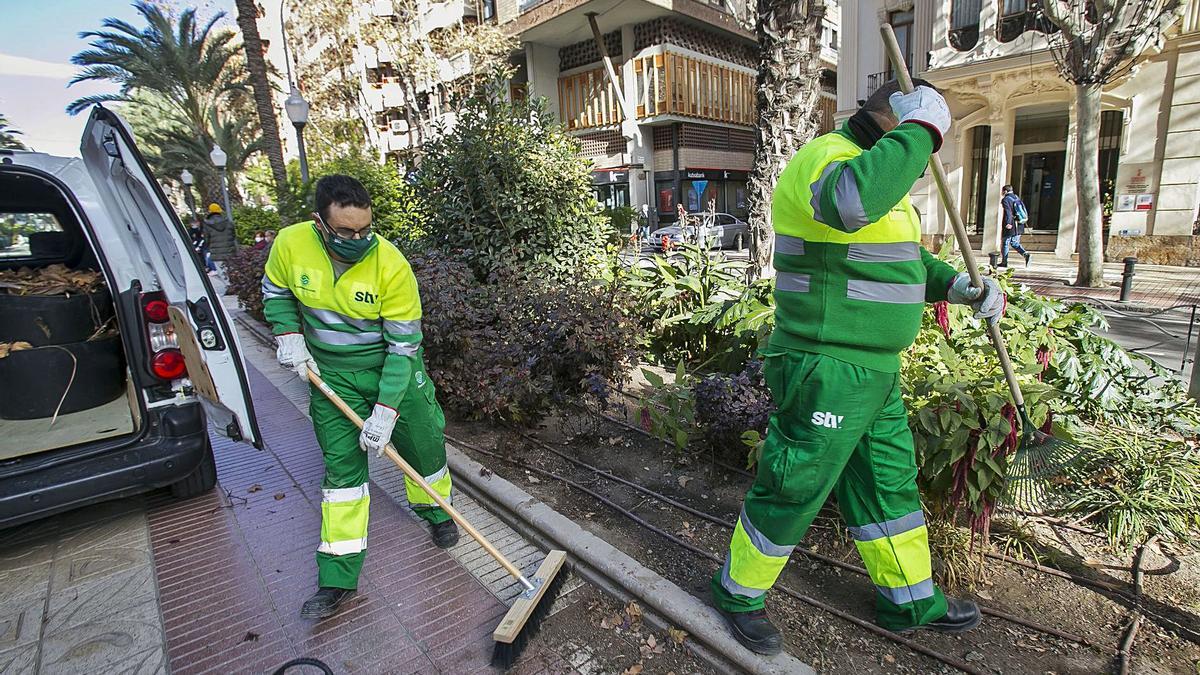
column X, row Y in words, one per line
column 78, row 594
column 235, row 565
column 1154, row 286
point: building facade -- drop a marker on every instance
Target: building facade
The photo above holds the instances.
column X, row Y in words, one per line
column 685, row 74
column 1015, row 122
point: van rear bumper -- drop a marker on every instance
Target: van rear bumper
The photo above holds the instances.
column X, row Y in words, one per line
column 173, row 445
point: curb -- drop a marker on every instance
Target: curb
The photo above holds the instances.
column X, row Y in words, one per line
column 608, row 567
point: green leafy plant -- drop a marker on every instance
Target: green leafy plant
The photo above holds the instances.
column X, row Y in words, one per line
column 1137, row 483
column 506, row 188
column 250, row 220
column 398, row 215
column 669, row 411
column 682, row 300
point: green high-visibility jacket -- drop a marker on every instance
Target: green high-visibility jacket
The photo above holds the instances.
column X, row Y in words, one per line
column 368, row 317
column 851, row 275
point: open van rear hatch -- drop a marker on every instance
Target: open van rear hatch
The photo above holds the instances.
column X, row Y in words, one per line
column 206, row 336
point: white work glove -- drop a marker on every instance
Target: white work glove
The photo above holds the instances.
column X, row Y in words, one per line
column 293, row 355
column 925, row 107
column 988, row 303
column 377, row 430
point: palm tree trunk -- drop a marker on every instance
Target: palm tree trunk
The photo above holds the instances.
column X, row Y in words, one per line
column 247, row 15
column 1087, row 185
column 788, row 92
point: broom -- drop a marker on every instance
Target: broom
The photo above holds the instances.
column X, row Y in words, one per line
column 532, row 606
column 1039, row 457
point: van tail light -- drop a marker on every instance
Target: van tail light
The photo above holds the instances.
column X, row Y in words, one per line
column 166, row 361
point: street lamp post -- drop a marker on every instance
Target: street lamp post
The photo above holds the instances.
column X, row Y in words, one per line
column 219, row 158
column 297, row 112
column 188, row 180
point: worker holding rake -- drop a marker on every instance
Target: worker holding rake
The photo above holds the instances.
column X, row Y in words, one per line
column 851, row 283
column 343, row 301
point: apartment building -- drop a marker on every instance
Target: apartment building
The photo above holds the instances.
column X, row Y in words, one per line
column 1015, row 121
column 677, row 124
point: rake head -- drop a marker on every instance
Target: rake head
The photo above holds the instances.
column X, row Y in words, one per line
column 1038, row 466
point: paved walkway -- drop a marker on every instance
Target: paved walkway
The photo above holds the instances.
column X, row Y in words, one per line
column 1154, row 286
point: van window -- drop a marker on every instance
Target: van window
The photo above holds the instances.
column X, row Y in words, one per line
column 29, row 235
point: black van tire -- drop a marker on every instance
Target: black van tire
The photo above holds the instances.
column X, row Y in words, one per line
column 202, row 479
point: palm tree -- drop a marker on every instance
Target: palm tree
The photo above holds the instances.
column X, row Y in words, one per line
column 8, row 136
column 190, row 66
column 247, row 15
column 788, row 92
column 177, row 150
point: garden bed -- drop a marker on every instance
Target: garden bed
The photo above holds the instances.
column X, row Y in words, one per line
column 830, row 643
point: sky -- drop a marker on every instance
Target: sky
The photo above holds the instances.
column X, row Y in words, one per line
column 37, row 41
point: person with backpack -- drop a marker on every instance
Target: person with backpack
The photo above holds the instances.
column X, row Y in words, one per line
column 1015, row 219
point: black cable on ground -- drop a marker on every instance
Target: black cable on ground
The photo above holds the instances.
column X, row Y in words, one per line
column 811, row 554
column 882, row 632
column 1125, row 652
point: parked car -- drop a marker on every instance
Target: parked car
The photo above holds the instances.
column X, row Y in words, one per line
column 727, row 232
column 170, row 363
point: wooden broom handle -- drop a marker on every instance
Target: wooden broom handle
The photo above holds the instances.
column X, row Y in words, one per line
column 415, row 477
column 960, row 230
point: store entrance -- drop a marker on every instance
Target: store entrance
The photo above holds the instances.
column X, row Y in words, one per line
column 1041, row 188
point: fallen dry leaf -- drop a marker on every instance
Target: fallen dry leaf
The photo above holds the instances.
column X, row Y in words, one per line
column 279, row 495
column 255, row 488
column 651, row 642
column 485, row 472
column 677, row 636
column 8, row 347
column 635, row 669
column 684, row 480
column 889, row 658
column 634, row 611
column 534, row 479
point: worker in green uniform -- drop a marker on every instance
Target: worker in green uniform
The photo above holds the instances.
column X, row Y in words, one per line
column 343, row 301
column 850, row 286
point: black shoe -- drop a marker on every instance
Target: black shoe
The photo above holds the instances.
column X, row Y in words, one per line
column 1027, row 257
column 961, row 616
column 445, row 534
column 1003, row 264
column 324, row 603
column 755, row 631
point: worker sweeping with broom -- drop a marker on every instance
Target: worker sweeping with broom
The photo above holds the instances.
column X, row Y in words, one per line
column 851, row 283
column 343, row 301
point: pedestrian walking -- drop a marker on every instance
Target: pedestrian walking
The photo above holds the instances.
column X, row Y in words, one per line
column 851, row 283
column 343, row 301
column 200, row 246
column 1015, row 218
column 218, row 231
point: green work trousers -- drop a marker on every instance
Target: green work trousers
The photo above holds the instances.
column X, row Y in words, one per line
column 345, row 500
column 837, row 427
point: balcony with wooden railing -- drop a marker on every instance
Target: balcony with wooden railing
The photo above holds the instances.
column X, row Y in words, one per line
column 667, row 84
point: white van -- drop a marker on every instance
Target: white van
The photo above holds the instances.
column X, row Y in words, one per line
column 141, row 390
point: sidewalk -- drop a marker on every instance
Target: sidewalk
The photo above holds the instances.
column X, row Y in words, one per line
column 1154, row 286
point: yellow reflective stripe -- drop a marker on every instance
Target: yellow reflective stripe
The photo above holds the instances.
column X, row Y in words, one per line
column 899, row 560
column 344, row 515
column 439, row 480
column 750, row 567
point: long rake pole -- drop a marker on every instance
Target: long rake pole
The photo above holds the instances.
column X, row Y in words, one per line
column 960, row 230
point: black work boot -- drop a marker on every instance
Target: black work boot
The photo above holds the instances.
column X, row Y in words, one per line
column 1027, row 259
column 961, row 616
column 445, row 534
column 755, row 631
column 324, row 603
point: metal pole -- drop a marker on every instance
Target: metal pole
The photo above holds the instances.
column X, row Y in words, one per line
column 1127, row 279
column 303, row 154
column 1188, row 345
column 225, row 194
column 1194, row 381
column 191, row 203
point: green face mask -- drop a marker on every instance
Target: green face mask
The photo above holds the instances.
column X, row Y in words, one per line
column 349, row 250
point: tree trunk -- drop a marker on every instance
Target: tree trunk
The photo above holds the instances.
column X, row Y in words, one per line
column 788, row 85
column 1087, row 186
column 263, row 98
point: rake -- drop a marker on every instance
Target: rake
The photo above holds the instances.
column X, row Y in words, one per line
column 1039, row 457
column 532, row 606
